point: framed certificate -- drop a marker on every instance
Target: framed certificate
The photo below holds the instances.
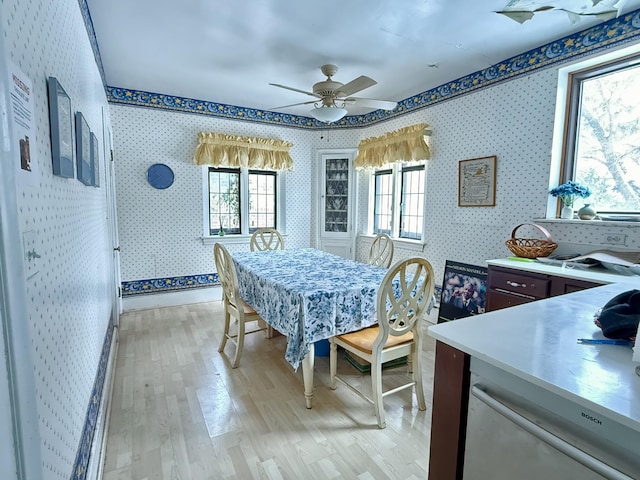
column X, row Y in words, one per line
column 477, row 182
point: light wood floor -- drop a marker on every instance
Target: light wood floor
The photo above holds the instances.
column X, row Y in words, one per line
column 180, row 412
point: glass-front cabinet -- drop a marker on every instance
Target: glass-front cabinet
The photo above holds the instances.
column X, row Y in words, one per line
column 335, row 218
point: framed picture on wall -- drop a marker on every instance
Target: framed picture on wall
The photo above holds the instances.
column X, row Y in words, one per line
column 477, row 182
column 464, row 290
column 95, row 161
column 61, row 125
column 83, row 149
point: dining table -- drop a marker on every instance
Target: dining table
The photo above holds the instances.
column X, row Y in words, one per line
column 308, row 295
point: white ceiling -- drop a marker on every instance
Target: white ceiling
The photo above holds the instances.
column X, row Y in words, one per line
column 228, row 51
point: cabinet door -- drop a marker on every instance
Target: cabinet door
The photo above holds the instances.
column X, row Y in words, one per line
column 335, row 193
column 562, row 285
column 335, row 215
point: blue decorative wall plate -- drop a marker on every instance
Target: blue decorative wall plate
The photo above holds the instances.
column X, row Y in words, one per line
column 160, row 176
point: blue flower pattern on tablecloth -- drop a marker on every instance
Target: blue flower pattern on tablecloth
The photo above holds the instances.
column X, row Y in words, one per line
column 308, row 295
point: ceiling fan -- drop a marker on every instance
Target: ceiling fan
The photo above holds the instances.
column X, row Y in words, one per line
column 332, row 96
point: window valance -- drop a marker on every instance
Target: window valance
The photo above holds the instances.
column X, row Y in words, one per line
column 222, row 150
column 408, row 144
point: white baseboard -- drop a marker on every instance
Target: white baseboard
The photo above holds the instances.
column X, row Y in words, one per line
column 170, row 299
column 99, row 444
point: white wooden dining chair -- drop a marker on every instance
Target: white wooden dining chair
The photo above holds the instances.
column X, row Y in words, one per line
column 381, row 252
column 234, row 306
column 404, row 294
column 266, row 239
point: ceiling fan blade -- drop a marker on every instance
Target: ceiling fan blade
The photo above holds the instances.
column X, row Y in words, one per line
column 356, row 85
column 369, row 102
column 294, row 105
column 295, row 89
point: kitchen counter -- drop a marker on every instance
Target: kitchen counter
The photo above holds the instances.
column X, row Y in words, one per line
column 592, row 274
column 537, row 342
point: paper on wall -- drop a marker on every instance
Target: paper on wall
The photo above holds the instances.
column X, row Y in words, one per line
column 22, row 105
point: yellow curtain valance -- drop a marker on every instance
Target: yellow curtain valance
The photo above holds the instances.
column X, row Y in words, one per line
column 407, row 144
column 222, row 150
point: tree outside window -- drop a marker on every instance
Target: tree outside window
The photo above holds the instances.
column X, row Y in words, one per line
column 241, row 201
column 603, row 135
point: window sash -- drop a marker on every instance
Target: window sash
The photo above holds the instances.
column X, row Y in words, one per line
column 221, row 181
column 262, row 200
column 412, row 202
column 383, row 202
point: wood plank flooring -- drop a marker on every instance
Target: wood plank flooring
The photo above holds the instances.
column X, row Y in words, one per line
column 180, row 412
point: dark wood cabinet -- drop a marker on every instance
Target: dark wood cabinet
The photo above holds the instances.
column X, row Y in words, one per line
column 562, row 285
column 507, row 287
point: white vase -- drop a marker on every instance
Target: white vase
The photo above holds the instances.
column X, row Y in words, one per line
column 587, row 212
column 566, row 213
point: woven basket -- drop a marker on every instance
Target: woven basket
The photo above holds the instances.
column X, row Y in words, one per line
column 531, row 247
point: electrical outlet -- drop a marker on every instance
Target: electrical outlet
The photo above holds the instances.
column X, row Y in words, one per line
column 614, row 239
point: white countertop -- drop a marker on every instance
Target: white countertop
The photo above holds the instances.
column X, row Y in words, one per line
column 537, row 342
column 593, row 274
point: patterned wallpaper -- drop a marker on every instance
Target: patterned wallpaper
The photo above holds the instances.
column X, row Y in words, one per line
column 505, row 110
column 512, row 120
column 70, row 298
column 161, row 230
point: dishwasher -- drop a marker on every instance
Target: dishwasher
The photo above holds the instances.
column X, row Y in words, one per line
column 520, row 431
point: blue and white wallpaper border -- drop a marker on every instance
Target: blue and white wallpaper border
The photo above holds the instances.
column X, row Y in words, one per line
column 605, row 35
column 91, row 420
column 170, row 284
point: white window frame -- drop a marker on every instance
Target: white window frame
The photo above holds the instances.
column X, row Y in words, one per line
column 558, row 169
column 244, row 236
column 396, row 168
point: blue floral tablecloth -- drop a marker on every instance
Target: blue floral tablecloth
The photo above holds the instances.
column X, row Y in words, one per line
column 308, row 295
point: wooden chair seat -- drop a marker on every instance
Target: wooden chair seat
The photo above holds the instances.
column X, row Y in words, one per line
column 246, row 308
column 362, row 340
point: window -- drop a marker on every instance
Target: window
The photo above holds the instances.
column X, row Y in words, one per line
column 603, row 135
column 262, row 200
column 241, row 200
column 399, row 201
column 383, row 208
column 224, row 200
column 412, row 206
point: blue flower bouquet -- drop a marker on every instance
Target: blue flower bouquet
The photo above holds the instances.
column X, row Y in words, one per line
column 569, row 191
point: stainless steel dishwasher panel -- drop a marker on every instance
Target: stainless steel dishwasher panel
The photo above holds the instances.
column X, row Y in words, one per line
column 515, row 430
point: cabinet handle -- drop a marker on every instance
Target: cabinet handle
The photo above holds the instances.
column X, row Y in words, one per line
column 516, row 284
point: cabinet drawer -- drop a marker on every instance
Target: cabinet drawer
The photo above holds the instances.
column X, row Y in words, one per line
column 528, row 285
column 560, row 286
column 497, row 300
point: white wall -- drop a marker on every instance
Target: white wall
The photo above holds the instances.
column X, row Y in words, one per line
column 69, row 299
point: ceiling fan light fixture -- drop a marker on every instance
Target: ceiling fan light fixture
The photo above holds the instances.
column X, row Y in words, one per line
column 328, row 114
